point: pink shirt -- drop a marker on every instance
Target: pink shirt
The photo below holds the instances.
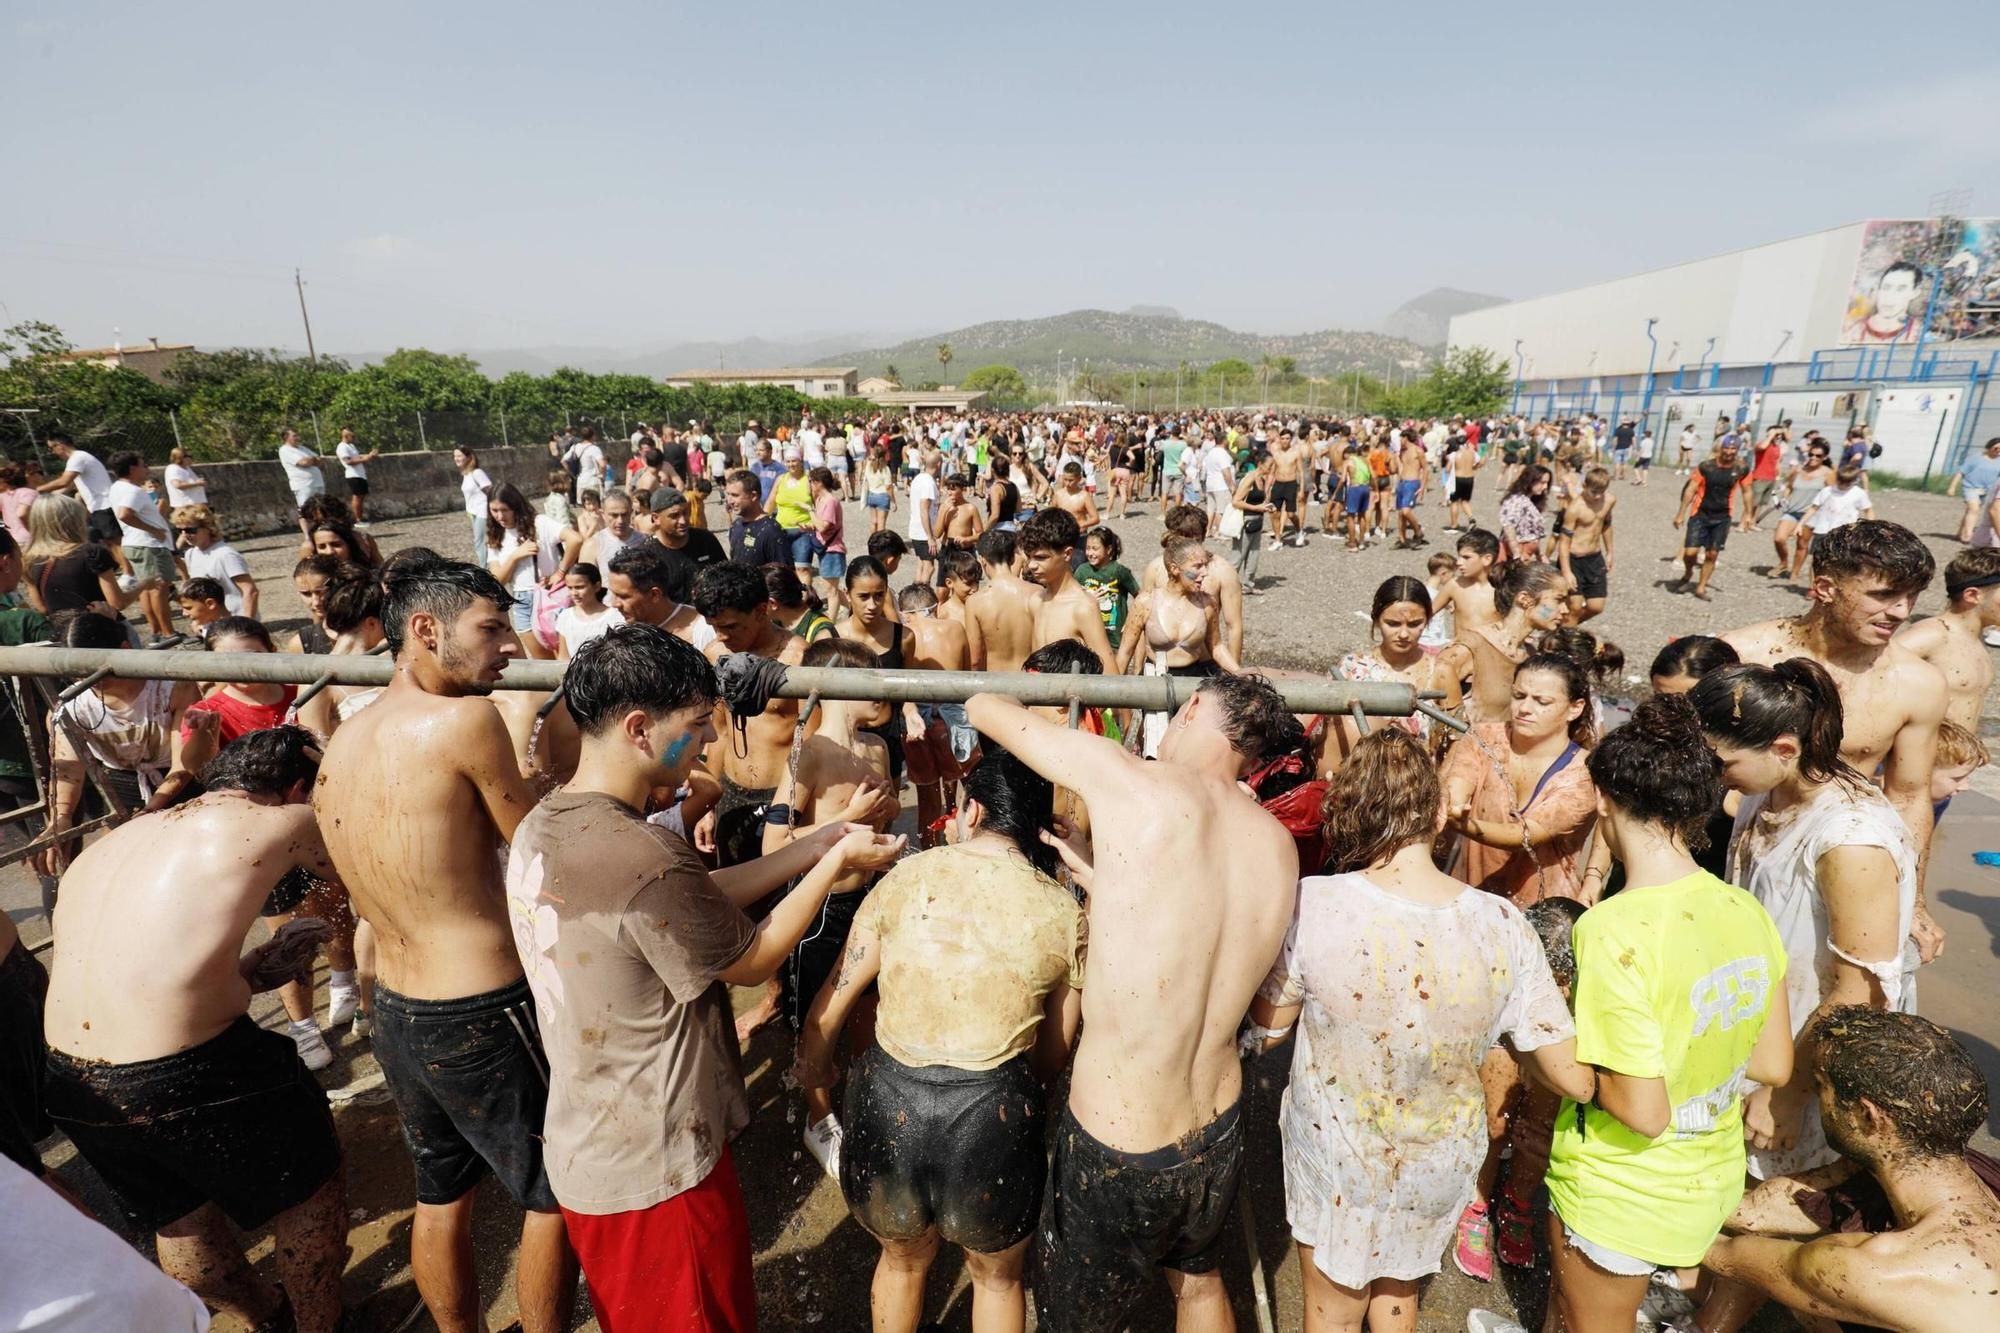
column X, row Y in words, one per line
column 828, row 525
column 14, row 511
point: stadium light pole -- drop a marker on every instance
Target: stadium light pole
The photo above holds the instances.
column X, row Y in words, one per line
column 1702, row 364
column 1646, row 395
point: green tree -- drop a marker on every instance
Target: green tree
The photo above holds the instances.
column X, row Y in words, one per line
column 1471, row 380
column 1003, row 382
column 944, row 358
column 1231, row 368
column 893, row 375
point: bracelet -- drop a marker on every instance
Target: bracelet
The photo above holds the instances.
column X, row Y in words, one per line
column 1588, row 871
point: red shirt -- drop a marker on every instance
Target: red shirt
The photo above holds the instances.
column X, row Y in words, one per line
column 1767, row 461
column 239, row 718
column 1472, row 432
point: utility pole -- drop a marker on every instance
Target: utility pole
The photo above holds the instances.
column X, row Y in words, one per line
column 311, row 355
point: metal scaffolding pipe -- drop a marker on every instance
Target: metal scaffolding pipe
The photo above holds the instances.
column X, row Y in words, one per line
column 1148, row 693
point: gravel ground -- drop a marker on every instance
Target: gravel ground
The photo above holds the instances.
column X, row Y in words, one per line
column 813, row 1262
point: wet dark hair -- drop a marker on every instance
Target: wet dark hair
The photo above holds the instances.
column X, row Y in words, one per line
column 1480, row 542
column 1974, row 567
column 728, row 586
column 782, row 586
column 1694, row 656
column 867, row 567
column 916, row 597
column 1553, row 920
column 201, row 590
column 1185, row 520
column 1254, row 716
column 1750, row 707
column 834, row 651
column 1059, row 657
column 1051, row 529
column 1517, row 578
column 645, row 565
column 634, row 666
column 964, row 565
column 422, row 580
column 996, row 546
column 87, row 629
column 1113, row 548
column 1019, row 803
column 267, row 762
column 353, row 597
column 1874, row 546
column 886, row 545
column 1400, row 588
column 240, row 627
column 326, row 566
column 1914, row 1071
column 1600, row 659
column 1657, row 769
column 1576, row 684
column 1382, row 799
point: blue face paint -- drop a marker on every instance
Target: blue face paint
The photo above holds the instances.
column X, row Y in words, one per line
column 677, row 749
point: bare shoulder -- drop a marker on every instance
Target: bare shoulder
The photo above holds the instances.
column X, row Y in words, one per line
column 793, row 652
column 1923, row 637
column 1763, row 643
column 1916, row 680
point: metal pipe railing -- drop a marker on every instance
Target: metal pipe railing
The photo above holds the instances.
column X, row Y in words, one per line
column 1146, row 693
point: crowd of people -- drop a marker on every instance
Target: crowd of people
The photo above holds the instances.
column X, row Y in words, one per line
column 1626, row 992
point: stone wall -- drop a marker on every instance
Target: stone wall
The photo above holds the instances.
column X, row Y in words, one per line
column 253, row 498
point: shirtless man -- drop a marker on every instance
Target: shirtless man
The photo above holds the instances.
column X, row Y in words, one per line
column 1902, row 1100
column 1951, row 641
column 1583, row 545
column 1413, row 468
column 1198, row 887
column 1070, row 497
column 192, row 1114
column 1000, row 617
column 416, row 796
column 1065, row 609
column 1866, row 578
column 959, row 522
column 940, row 741
column 1224, row 583
column 638, row 586
column 1289, row 459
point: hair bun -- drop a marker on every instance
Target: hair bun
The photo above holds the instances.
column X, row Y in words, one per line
column 1667, row 720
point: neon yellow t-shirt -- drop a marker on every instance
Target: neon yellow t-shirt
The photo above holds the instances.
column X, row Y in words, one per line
column 1672, row 981
column 791, row 502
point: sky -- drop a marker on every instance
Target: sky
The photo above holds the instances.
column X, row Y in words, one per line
column 630, row 175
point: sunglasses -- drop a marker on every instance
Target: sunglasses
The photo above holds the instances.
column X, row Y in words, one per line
column 188, row 532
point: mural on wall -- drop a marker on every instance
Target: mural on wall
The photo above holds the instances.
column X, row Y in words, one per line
column 1902, row 262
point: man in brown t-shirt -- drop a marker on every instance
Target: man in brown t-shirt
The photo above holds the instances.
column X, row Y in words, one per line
column 624, row 938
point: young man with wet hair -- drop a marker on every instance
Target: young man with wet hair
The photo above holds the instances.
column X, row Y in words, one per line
column 628, row 943
column 1000, row 617
column 1065, row 608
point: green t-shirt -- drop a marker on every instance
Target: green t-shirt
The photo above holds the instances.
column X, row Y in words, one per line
column 1114, row 587
column 18, row 625
column 1170, row 456
column 1672, row 981
column 1357, row 471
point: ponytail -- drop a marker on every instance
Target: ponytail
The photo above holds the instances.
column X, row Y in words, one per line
column 1750, row 707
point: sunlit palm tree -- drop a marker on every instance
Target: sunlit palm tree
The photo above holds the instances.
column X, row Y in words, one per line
column 944, row 358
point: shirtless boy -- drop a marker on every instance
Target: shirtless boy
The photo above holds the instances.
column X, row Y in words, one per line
column 1289, row 460
column 1583, row 545
column 1413, row 468
column 1866, row 578
column 959, row 522
column 1197, row 890
column 942, row 741
column 1070, row 497
column 1900, row 1098
column 1224, row 584
column 1065, row 610
column 1000, row 617
column 415, row 798
column 194, row 1115
column 1468, row 594
column 958, row 579
column 1951, row 641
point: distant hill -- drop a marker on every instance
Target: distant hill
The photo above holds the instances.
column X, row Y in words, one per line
column 1114, row 342
column 658, row 362
column 1427, row 319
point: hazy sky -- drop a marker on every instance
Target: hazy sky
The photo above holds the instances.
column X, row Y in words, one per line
column 513, row 175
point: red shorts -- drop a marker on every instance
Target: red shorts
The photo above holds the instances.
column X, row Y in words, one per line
column 681, row 1266
column 929, row 758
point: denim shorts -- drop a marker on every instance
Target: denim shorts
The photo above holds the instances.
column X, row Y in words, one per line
column 522, row 613
column 832, row 565
column 878, row 499
column 802, row 541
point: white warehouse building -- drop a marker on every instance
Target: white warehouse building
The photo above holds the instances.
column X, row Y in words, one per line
column 1892, row 324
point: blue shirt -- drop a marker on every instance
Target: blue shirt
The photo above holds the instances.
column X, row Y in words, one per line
column 1979, row 475
column 768, row 471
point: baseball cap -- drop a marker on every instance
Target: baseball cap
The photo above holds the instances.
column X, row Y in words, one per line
column 667, row 498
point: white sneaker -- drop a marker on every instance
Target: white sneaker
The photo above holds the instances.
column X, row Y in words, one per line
column 343, row 1003
column 823, row 1142
column 362, row 1028
column 313, row 1049
column 1991, row 637
column 1485, row 1321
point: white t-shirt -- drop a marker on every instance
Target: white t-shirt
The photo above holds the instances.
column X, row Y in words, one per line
column 601, row 546
column 473, row 486
column 589, row 464
column 527, row 573
column 575, row 629
column 812, row 446
column 132, row 496
column 347, row 451
column 306, row 482
column 1216, row 468
column 185, row 486
column 1646, row 445
column 93, row 483
column 1838, row 506
column 923, row 491
column 223, row 563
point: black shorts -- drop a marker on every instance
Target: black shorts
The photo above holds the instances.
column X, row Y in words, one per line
column 739, row 823
column 237, row 1121
column 1284, row 494
column 24, row 989
column 472, row 1084
column 287, row 894
column 1592, row 582
column 922, row 548
column 1461, row 490
column 1109, row 1218
column 357, row 485
column 103, row 527
column 813, row 959
column 936, row 1146
column 1707, row 532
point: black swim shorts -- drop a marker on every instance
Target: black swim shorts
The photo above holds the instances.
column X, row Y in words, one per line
column 1707, row 532
column 814, row 958
column 237, row 1121
column 1284, row 494
column 1110, row 1218
column 472, row 1084
column 958, row 1149
column 739, row 823
column 24, row 989
column 287, row 894
column 1592, row 582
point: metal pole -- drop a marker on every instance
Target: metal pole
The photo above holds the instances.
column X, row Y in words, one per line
column 503, row 428
column 311, row 356
column 1646, row 399
column 422, row 439
column 175, row 422
column 1145, row 693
